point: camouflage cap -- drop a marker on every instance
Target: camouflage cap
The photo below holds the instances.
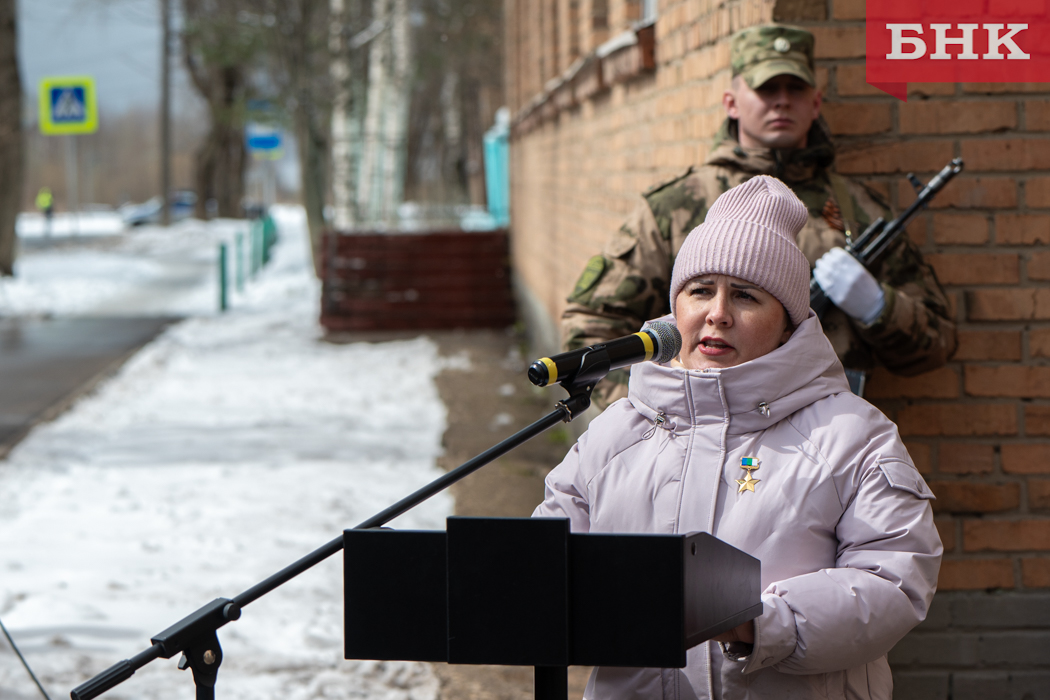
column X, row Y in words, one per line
column 764, row 52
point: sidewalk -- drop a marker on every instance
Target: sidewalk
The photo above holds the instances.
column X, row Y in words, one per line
column 224, row 450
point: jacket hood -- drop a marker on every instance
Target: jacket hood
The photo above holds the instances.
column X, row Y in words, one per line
column 792, row 165
column 748, row 397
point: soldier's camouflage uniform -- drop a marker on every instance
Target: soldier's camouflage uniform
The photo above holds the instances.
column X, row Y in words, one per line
column 628, row 283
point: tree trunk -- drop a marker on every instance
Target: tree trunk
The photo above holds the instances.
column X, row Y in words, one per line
column 369, row 191
column 381, row 184
column 311, row 134
column 229, row 173
column 474, row 135
column 12, row 153
column 204, row 175
column 342, row 192
column 313, row 111
column 222, row 159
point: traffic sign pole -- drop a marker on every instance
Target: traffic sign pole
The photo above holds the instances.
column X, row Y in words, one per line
column 71, row 181
column 68, row 106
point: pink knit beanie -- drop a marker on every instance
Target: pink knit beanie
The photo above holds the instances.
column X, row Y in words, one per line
column 750, row 233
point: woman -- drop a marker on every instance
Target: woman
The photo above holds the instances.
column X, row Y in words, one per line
column 751, row 434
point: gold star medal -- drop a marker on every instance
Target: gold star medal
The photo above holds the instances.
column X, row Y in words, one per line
column 748, row 464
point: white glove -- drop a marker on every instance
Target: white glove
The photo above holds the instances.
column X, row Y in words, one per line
column 849, row 285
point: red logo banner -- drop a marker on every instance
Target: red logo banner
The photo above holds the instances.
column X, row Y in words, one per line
column 956, row 41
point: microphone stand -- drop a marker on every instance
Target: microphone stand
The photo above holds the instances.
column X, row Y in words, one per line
column 195, row 635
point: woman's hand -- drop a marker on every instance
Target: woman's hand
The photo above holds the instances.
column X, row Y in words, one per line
column 742, row 633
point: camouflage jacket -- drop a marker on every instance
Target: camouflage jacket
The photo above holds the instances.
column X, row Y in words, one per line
column 628, row 283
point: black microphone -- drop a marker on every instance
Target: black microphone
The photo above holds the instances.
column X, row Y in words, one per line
column 658, row 341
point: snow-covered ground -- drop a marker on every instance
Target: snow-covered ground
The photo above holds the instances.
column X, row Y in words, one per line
column 149, row 270
column 86, row 223
column 227, row 448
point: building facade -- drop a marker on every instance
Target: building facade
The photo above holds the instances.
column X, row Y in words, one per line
column 610, row 97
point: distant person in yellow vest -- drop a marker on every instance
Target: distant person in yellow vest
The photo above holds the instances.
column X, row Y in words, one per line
column 45, row 203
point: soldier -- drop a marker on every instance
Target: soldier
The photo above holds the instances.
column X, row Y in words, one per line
column 897, row 316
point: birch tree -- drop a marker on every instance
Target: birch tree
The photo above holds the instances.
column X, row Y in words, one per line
column 458, row 87
column 380, row 186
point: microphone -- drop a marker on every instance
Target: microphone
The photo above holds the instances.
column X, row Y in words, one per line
column 658, row 341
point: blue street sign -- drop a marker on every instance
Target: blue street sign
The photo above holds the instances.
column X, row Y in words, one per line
column 263, row 141
column 68, row 105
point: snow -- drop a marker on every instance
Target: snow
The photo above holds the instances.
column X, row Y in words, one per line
column 223, row 451
column 149, row 270
column 85, row 223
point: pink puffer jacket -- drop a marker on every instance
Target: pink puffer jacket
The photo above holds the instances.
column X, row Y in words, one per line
column 839, row 517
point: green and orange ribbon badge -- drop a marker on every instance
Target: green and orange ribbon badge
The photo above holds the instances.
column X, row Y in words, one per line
column 748, row 464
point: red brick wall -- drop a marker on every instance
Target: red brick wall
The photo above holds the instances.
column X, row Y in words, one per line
column 979, row 428
column 401, row 281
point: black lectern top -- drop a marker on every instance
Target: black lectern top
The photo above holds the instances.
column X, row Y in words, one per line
column 524, row 591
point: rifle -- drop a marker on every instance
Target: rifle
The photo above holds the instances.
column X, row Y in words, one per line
column 880, row 235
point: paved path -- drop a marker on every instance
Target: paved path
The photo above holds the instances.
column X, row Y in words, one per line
column 46, row 363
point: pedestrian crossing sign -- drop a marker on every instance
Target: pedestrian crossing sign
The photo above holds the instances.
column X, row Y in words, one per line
column 68, row 105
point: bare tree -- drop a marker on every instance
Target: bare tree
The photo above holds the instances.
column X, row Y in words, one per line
column 297, row 42
column 220, row 45
column 12, row 158
column 456, row 92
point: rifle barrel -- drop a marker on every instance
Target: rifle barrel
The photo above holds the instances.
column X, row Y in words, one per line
column 871, row 252
column 880, row 234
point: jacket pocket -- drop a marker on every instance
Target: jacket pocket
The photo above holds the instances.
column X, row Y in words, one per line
column 905, row 477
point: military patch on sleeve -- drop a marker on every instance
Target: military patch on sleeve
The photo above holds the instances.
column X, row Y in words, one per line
column 592, row 273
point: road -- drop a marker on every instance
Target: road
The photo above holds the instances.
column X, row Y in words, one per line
column 80, row 305
column 46, row 363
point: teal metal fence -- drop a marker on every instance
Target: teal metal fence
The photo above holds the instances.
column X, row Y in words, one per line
column 497, row 168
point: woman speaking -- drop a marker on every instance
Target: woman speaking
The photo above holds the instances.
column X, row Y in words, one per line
column 752, row 435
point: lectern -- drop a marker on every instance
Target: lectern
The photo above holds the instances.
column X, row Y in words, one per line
column 527, row 592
